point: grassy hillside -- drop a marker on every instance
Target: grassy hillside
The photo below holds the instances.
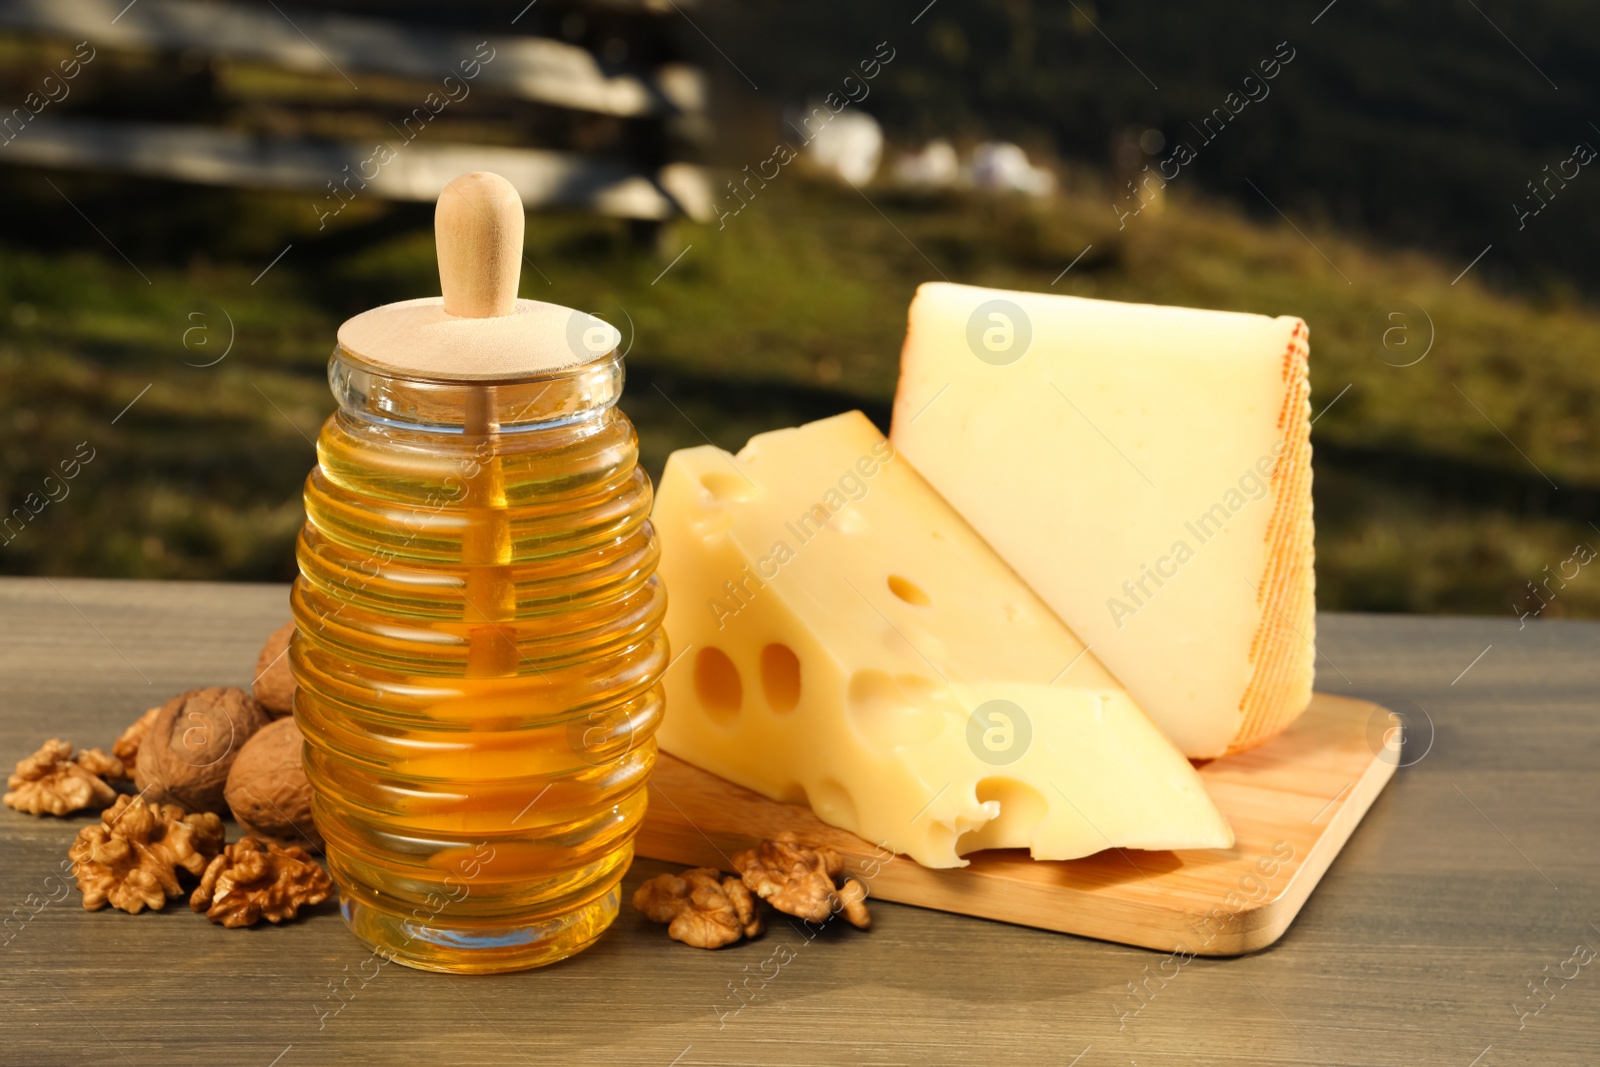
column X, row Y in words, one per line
column 1421, row 121
column 1447, row 485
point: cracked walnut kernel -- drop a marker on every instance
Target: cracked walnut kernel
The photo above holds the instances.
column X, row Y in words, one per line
column 51, row 782
column 799, row 879
column 248, row 882
column 131, row 860
column 702, row 907
column 126, row 747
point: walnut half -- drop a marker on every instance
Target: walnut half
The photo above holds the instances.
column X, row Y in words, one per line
column 799, row 878
column 51, row 782
column 701, row 907
column 131, row 860
column 126, row 747
column 248, row 882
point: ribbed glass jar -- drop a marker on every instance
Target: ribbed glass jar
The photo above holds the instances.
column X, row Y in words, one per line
column 478, row 651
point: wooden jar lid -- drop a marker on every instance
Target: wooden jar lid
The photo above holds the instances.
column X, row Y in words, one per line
column 478, row 330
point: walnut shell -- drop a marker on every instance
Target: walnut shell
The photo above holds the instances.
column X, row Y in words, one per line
column 267, row 788
column 186, row 754
column 274, row 684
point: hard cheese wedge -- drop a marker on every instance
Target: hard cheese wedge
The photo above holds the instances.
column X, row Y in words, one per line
column 845, row 639
column 1147, row 470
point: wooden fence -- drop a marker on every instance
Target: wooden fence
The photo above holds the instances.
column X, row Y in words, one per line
column 539, row 70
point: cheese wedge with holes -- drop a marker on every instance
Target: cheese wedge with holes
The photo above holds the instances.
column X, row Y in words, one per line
column 844, row 639
column 1147, row 471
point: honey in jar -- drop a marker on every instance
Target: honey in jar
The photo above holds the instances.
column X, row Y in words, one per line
column 479, row 645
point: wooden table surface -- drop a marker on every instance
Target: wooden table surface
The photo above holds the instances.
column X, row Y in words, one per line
column 1474, row 875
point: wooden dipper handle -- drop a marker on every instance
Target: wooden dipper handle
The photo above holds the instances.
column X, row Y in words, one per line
column 477, row 228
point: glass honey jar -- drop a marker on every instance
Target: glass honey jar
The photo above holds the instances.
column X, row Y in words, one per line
column 479, row 646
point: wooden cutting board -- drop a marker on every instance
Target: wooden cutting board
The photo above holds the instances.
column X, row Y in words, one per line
column 1293, row 803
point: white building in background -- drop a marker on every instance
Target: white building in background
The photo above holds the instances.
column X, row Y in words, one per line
column 849, row 146
column 994, row 166
column 1003, row 167
column 936, row 166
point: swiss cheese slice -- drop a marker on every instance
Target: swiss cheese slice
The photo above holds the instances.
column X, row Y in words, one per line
column 844, row 639
column 1147, row 471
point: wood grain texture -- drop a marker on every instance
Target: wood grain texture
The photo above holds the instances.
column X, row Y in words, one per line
column 1413, row 950
column 477, row 232
column 419, row 339
column 1292, row 802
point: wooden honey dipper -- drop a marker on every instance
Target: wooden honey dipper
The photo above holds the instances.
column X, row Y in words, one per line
column 479, row 333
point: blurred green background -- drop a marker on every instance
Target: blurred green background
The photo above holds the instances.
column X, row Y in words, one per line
column 1389, row 154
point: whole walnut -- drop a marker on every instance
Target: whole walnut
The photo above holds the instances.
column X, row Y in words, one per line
column 274, row 684
column 191, row 744
column 267, row 788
